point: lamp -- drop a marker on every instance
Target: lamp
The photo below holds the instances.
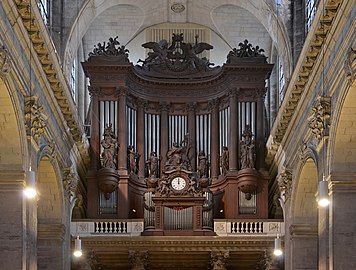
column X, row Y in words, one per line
column 30, row 190
column 78, row 247
column 323, row 193
column 277, row 246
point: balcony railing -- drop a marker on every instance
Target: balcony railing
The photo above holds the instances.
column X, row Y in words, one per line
column 222, row 227
column 113, row 227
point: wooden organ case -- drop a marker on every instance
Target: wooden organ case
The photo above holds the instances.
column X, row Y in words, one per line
column 174, row 140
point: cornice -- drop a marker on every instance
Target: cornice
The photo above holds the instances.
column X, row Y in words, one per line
column 48, row 58
column 305, row 67
column 181, row 243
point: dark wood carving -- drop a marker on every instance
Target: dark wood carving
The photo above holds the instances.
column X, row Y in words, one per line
column 172, row 76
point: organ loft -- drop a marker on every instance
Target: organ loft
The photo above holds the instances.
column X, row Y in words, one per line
column 174, row 138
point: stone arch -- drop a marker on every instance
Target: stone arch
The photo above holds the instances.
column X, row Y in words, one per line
column 12, row 140
column 342, row 143
column 51, row 227
column 302, row 225
column 262, row 11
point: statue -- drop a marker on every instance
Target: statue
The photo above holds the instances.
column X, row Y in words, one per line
column 109, row 148
column 247, row 150
column 193, row 186
column 132, row 159
column 202, row 164
column 152, row 163
column 178, row 155
column 163, row 187
column 224, row 159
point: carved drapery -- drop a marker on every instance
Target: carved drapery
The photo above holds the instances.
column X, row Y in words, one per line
column 350, row 67
column 70, row 183
column 36, row 120
column 320, row 119
column 218, row 260
column 284, row 181
column 4, row 61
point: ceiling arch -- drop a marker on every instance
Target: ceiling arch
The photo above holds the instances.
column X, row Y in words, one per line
column 199, row 12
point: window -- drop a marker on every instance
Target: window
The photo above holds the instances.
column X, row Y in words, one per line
column 43, row 5
column 281, row 81
column 73, row 80
column 310, row 9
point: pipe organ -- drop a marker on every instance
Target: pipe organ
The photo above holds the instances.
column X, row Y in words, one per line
column 184, row 141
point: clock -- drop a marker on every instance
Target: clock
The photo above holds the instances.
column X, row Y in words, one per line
column 178, row 183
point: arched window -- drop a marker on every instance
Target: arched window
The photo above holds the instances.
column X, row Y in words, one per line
column 73, row 77
column 310, row 8
column 43, row 6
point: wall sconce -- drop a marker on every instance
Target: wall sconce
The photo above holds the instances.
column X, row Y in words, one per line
column 30, row 190
column 323, row 193
column 78, row 247
column 277, row 246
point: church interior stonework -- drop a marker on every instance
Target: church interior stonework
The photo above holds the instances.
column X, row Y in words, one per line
column 177, row 134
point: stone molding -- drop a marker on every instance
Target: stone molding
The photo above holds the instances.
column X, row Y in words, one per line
column 35, row 119
column 138, row 259
column 218, row 259
column 4, row 62
column 319, row 121
column 284, row 181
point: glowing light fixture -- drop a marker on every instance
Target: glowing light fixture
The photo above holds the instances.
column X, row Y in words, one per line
column 78, row 247
column 277, row 246
column 30, row 190
column 323, row 193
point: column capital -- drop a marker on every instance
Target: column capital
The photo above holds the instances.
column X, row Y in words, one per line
column 121, row 91
column 94, row 91
column 139, row 259
column 284, row 180
column 164, row 106
column 191, row 106
column 218, row 259
column 233, row 93
column 213, row 104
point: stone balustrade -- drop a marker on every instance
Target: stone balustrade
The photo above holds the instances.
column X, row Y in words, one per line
column 223, row 227
column 107, row 227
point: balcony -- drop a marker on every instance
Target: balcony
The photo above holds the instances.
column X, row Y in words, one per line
column 134, row 227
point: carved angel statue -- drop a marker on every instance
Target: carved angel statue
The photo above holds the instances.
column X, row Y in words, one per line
column 159, row 54
column 109, row 147
column 247, row 149
column 190, row 52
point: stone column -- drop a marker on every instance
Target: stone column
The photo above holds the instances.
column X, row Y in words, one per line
column 138, row 259
column 141, row 136
column 218, row 260
column 233, row 136
column 164, row 134
column 17, row 224
column 121, row 132
column 342, row 220
column 191, row 107
column 95, row 129
column 214, row 144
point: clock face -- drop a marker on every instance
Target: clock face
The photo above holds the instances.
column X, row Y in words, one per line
column 178, row 183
